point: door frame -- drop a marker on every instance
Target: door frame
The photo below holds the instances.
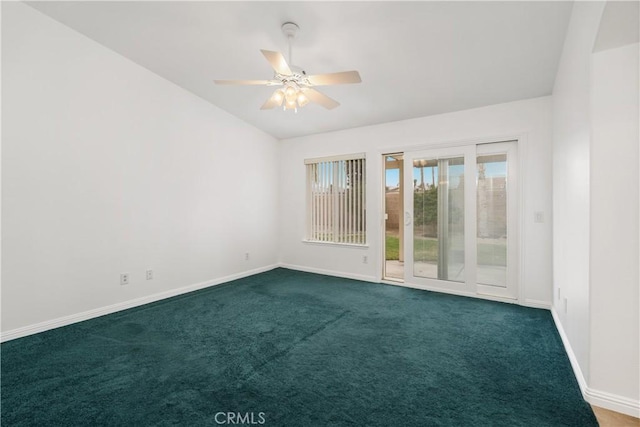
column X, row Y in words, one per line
column 467, row 152
column 384, row 277
column 513, row 218
column 522, row 147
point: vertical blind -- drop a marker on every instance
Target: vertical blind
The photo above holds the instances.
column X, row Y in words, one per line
column 336, row 188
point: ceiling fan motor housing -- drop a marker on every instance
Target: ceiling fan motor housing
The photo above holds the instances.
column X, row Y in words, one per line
column 290, row 29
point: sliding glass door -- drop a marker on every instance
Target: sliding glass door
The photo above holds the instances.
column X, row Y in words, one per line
column 459, row 219
column 496, row 219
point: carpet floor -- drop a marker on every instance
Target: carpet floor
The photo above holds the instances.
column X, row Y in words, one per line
column 298, row 349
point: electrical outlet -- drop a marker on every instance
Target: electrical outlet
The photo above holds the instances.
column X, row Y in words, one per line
column 565, row 306
column 538, row 217
column 246, row 256
column 124, row 279
column 149, row 274
column 365, row 259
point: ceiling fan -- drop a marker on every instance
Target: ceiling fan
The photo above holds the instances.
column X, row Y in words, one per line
column 297, row 87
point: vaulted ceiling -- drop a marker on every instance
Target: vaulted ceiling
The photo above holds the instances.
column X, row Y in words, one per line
column 415, row 58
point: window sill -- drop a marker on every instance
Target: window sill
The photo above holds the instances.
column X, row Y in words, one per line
column 343, row 245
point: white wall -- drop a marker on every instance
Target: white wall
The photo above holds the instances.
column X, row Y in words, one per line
column 596, row 221
column 614, row 274
column 571, row 141
column 108, row 168
column 529, row 117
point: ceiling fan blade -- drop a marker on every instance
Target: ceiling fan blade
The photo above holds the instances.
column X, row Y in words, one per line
column 243, row 82
column 320, row 98
column 275, row 100
column 335, row 78
column 277, row 61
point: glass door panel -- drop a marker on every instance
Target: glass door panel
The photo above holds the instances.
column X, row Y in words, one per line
column 491, row 211
column 393, row 267
column 438, row 218
column 497, row 219
column 460, row 223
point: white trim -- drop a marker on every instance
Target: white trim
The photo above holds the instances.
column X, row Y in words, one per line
column 392, row 281
column 613, row 402
column 535, row 303
column 334, row 273
column 572, row 356
column 98, row 312
column 531, row 303
column 513, row 147
column 438, row 143
column 382, row 226
column 460, row 293
column 468, row 152
column 595, row 397
column 521, row 154
column 521, row 139
column 339, row 244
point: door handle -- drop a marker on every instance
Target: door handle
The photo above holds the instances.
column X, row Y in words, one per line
column 407, row 218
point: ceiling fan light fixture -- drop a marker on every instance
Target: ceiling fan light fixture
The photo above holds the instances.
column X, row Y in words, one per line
column 290, row 104
column 302, row 99
column 298, row 87
column 290, row 94
column 278, row 96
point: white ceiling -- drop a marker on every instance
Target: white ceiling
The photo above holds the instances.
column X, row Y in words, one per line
column 415, row 58
column 619, row 26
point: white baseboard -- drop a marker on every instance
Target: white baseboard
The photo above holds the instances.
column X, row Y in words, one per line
column 534, row 303
column 595, row 397
column 90, row 314
column 330, row 272
column 459, row 293
column 435, row 289
column 577, row 371
column 527, row 302
column 613, row 402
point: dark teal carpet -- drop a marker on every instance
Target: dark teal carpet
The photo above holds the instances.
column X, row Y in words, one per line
column 304, row 349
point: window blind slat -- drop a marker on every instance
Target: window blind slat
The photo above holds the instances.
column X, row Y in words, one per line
column 336, row 197
column 334, row 159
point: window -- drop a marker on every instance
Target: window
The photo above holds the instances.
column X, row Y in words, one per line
column 336, row 208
